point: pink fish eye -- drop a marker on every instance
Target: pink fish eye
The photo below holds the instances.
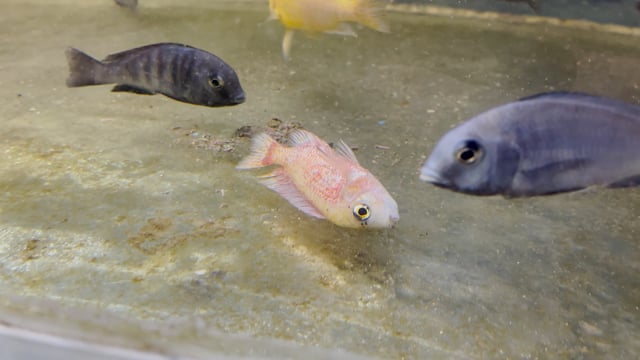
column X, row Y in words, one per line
column 361, row 212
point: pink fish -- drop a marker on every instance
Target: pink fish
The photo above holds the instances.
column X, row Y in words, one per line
column 323, row 182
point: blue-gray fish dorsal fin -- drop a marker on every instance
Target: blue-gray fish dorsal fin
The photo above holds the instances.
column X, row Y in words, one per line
column 127, row 53
column 620, row 105
column 553, row 94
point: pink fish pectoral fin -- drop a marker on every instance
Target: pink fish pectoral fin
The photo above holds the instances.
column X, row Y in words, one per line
column 281, row 183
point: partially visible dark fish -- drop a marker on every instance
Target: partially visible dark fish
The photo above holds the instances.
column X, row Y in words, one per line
column 178, row 71
column 544, row 144
column 131, row 4
column 533, row 3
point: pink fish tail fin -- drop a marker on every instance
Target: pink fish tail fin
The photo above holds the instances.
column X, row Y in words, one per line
column 263, row 148
column 369, row 13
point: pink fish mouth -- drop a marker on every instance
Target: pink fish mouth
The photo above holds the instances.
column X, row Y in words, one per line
column 394, row 218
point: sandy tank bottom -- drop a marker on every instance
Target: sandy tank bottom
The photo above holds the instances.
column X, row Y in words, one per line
column 124, row 222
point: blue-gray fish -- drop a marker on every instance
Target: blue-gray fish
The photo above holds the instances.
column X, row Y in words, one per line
column 544, row 144
column 180, row 72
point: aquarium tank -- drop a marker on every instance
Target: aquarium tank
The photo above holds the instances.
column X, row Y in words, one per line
column 256, row 179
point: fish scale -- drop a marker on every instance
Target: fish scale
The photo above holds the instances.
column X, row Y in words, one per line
column 161, row 74
column 324, row 181
column 147, row 69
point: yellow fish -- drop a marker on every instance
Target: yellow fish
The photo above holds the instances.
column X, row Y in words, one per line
column 328, row 16
column 323, row 182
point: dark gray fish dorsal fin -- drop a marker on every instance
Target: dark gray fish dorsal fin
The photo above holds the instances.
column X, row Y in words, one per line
column 345, row 151
column 632, row 109
column 127, row 53
column 131, row 89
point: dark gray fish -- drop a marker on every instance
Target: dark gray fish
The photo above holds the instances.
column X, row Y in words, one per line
column 543, row 144
column 178, row 71
column 131, row 4
column 533, row 3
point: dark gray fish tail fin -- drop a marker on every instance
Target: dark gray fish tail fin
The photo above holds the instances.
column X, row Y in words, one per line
column 84, row 70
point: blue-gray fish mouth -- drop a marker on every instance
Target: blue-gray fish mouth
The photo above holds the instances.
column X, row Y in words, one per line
column 431, row 176
column 238, row 99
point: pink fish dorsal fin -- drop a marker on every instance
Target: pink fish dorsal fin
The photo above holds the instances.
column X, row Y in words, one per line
column 345, row 151
column 301, row 137
column 280, row 182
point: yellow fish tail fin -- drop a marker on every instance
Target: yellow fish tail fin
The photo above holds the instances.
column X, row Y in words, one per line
column 369, row 13
column 263, row 148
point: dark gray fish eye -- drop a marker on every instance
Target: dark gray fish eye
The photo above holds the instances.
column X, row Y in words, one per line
column 216, row 82
column 361, row 212
column 469, row 152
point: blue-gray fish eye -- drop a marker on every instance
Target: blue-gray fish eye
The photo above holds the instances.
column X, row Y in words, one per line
column 469, row 152
column 216, row 82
